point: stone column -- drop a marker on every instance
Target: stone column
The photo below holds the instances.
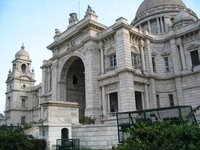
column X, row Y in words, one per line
column 146, row 96
column 123, row 49
column 149, row 26
column 152, row 93
column 149, row 57
column 55, row 90
column 179, row 91
column 43, row 80
column 126, row 92
column 92, row 90
column 162, row 25
column 104, row 104
column 182, row 57
column 102, row 60
column 108, row 102
column 174, row 56
column 142, row 55
column 158, row 25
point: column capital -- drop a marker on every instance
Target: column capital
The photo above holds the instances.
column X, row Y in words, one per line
column 141, row 42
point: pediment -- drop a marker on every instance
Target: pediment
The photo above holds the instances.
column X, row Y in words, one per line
column 165, row 54
column 110, row 50
column 193, row 46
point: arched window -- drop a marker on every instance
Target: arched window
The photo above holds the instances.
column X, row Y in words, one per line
column 136, row 58
column 75, row 80
column 64, row 133
column 23, row 67
column 111, row 58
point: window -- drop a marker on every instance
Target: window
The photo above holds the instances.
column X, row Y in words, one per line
column 171, row 100
column 23, row 67
column 154, row 64
column 158, row 101
column 136, row 59
column 195, row 58
column 166, row 63
column 113, row 61
column 23, row 102
column 23, row 119
column 113, row 97
column 37, row 100
column 138, row 100
column 9, row 101
column 75, row 81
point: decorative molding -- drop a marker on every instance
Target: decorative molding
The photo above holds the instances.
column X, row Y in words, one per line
column 165, row 54
column 193, row 46
column 153, row 53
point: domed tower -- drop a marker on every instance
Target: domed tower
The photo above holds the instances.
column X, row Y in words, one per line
column 19, row 83
column 158, row 16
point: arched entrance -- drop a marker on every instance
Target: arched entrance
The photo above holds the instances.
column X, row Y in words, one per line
column 64, row 133
column 73, row 83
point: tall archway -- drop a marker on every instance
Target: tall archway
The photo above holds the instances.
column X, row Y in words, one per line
column 73, row 83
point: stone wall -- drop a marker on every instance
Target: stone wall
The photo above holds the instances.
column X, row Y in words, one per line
column 102, row 136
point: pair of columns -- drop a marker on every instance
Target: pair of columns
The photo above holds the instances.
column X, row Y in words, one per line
column 161, row 28
column 161, row 24
column 106, row 102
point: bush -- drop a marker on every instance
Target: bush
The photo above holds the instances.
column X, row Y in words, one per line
column 10, row 140
column 13, row 140
column 162, row 136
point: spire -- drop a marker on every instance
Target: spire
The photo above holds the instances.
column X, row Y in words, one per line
column 23, row 47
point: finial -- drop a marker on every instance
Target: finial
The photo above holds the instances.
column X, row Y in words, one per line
column 90, row 10
column 22, row 47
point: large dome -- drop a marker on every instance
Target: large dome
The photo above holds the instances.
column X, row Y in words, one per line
column 22, row 54
column 148, row 4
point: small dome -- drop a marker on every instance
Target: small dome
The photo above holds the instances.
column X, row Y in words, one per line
column 149, row 4
column 22, row 54
column 183, row 16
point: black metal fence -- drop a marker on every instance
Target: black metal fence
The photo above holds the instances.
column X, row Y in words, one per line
column 68, row 144
column 11, row 128
column 175, row 114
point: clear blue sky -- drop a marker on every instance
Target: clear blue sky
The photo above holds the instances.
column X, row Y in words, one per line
column 32, row 22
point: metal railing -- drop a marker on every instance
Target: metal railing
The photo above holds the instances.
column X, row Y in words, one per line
column 67, row 144
column 175, row 114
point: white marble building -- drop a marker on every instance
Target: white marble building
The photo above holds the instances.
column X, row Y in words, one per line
column 98, row 70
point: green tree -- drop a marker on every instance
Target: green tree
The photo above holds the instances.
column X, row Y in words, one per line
column 17, row 140
column 162, row 136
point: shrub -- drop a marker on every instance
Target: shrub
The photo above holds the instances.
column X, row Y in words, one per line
column 162, row 136
column 15, row 140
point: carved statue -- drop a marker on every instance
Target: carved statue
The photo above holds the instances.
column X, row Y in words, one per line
column 73, row 18
column 90, row 10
